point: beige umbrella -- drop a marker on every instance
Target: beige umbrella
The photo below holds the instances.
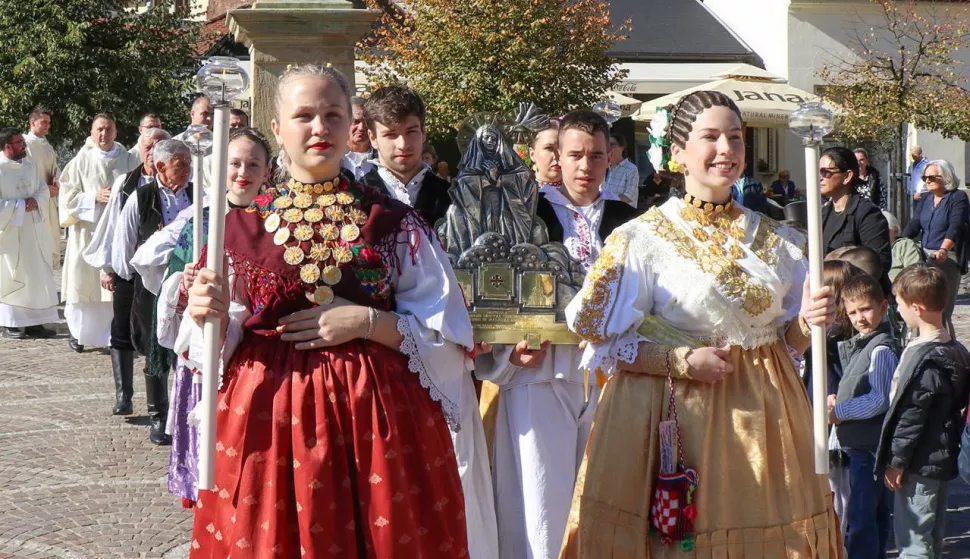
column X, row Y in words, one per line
column 628, row 105
column 765, row 101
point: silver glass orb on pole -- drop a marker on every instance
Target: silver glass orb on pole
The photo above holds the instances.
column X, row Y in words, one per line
column 811, row 122
column 609, row 109
column 222, row 79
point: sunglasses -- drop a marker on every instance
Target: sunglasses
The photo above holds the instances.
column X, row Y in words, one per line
column 931, row 178
column 827, row 173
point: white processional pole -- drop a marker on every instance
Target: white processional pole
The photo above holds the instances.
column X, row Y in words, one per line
column 222, row 79
column 199, row 140
column 812, row 121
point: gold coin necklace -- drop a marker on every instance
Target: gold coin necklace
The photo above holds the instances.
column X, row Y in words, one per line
column 316, row 224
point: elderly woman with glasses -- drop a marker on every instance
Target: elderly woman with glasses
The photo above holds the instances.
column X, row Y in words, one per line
column 848, row 218
column 940, row 221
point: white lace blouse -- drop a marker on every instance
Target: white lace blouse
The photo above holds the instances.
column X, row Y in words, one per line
column 730, row 278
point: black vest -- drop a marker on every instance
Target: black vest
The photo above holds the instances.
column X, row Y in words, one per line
column 130, row 185
column 143, row 301
column 150, row 209
column 432, row 201
column 855, row 355
column 615, row 214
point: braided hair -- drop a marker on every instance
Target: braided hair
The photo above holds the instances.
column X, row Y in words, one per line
column 685, row 112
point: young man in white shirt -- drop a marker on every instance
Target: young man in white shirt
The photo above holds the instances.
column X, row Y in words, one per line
column 544, row 412
column 395, row 118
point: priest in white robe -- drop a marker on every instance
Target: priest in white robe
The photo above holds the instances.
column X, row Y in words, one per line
column 28, row 292
column 86, row 190
column 44, row 158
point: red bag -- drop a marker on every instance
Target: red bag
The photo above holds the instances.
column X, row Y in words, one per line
column 672, row 510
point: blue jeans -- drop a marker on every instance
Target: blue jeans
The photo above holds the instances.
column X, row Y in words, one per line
column 868, row 510
column 920, row 517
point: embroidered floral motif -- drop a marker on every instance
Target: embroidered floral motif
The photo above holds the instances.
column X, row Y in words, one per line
column 584, row 246
column 731, row 279
column 261, row 284
column 766, row 241
column 600, row 289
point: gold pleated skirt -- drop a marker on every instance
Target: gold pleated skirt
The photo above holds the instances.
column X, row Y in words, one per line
column 750, row 439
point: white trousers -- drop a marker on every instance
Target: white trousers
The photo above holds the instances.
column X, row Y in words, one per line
column 471, row 451
column 540, row 438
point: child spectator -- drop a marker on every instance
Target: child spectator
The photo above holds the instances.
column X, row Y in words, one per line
column 835, row 274
column 868, row 360
column 920, row 439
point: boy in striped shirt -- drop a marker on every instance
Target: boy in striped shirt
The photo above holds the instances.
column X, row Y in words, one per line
column 858, row 409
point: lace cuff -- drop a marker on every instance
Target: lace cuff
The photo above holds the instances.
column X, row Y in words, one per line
column 409, row 347
column 606, row 357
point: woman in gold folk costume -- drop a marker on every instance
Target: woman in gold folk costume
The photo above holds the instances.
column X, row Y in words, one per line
column 733, row 282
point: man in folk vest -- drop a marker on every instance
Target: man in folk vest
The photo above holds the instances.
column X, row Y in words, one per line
column 151, row 207
column 98, row 254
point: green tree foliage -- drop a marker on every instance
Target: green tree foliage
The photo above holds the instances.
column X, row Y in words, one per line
column 83, row 57
column 466, row 56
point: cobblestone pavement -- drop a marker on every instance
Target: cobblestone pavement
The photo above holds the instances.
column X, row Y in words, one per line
column 76, row 482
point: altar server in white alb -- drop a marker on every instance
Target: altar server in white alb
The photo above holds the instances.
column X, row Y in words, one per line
column 85, row 191
column 42, row 155
column 28, row 293
column 545, row 410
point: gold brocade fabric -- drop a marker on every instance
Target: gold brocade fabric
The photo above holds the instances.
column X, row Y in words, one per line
column 750, row 439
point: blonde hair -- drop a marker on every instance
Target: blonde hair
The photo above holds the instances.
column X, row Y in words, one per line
column 294, row 73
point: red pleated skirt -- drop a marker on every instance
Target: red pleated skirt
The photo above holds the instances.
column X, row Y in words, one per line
column 336, row 453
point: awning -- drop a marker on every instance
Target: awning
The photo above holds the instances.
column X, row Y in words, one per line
column 659, row 78
column 628, row 105
column 764, row 104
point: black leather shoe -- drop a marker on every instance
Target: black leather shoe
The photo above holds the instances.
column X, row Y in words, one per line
column 39, row 332
column 122, row 369
column 76, row 347
column 158, row 435
column 14, row 333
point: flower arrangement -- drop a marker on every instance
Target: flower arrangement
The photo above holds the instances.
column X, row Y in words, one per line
column 659, row 153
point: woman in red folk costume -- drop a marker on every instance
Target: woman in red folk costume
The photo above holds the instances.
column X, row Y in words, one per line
column 343, row 358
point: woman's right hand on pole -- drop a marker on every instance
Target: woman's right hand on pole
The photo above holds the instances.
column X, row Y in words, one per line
column 709, row 364
column 208, row 297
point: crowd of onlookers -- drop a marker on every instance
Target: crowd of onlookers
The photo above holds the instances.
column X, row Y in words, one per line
column 898, row 379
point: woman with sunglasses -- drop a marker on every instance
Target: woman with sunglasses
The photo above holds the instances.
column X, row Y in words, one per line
column 940, row 222
column 848, row 218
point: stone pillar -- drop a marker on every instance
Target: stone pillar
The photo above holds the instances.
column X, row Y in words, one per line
column 283, row 32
